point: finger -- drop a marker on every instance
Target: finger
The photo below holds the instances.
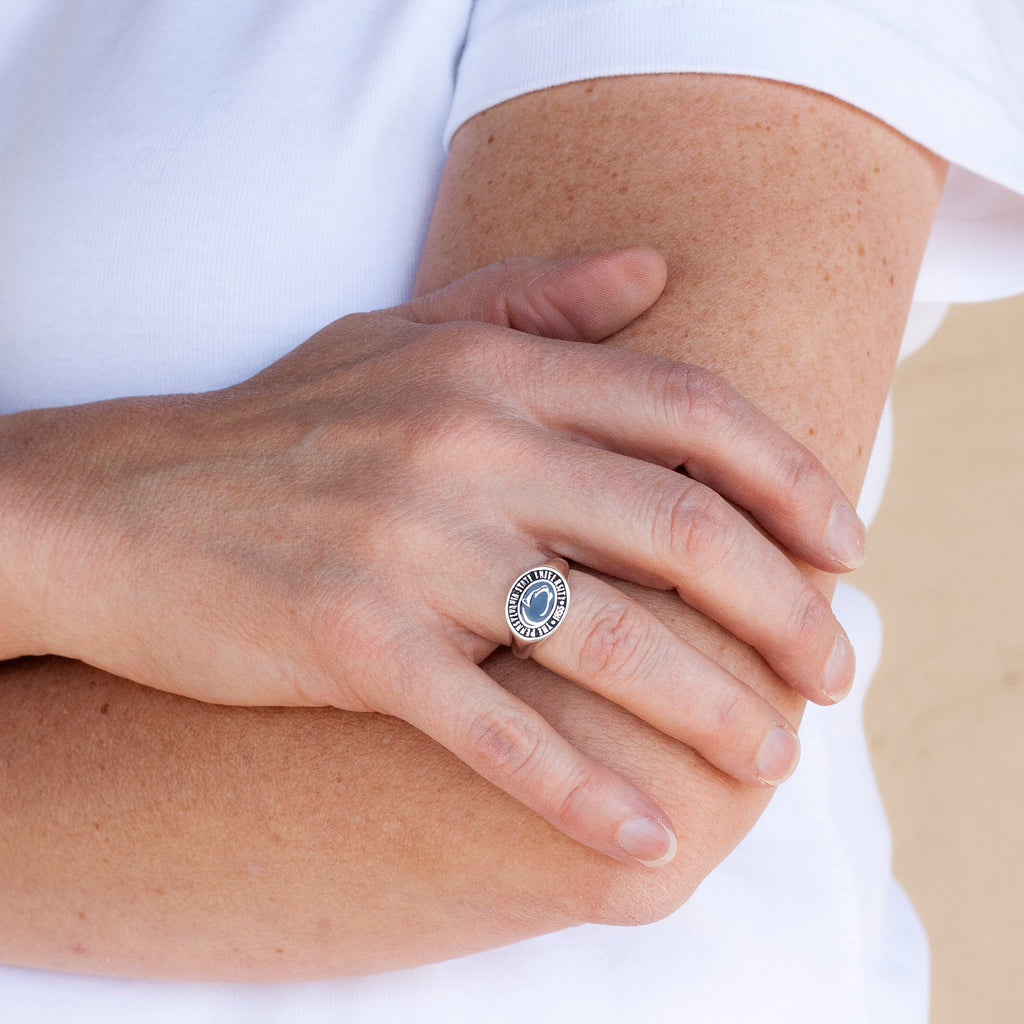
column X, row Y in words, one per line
column 681, row 416
column 634, row 520
column 584, row 298
column 513, row 747
column 612, row 645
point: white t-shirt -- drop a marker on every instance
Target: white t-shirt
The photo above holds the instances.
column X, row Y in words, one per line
column 189, row 189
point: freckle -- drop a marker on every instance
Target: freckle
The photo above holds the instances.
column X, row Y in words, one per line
column 623, row 189
column 589, row 89
column 860, row 250
column 160, row 891
column 860, row 450
column 828, row 277
column 892, row 280
column 810, row 430
column 105, row 709
column 877, row 169
column 278, row 950
column 490, row 139
column 81, row 916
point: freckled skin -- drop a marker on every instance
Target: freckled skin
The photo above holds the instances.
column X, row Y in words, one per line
column 752, row 191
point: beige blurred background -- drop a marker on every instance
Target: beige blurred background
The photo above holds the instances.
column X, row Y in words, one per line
column 945, row 718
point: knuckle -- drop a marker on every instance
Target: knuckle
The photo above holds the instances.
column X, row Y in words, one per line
column 698, row 395
column 697, row 526
column 502, row 302
column 447, row 432
column 726, row 726
column 507, row 743
column 459, row 444
column 460, row 347
column 437, row 429
column 579, row 791
column 801, row 478
column 617, row 641
column 469, row 355
column 529, row 304
column 810, row 621
column 357, row 324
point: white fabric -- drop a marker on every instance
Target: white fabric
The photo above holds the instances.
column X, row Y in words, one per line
column 188, row 189
column 947, row 74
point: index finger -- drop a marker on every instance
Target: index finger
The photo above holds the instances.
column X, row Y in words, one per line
column 685, row 417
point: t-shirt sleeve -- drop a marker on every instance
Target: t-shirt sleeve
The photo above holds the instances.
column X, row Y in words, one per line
column 948, row 75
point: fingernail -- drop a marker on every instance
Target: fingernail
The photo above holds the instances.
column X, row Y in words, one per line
column 778, row 756
column 846, row 539
column 838, row 677
column 648, row 841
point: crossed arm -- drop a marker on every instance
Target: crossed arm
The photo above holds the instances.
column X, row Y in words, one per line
column 147, row 834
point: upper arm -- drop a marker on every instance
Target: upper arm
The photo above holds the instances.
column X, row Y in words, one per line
column 793, row 226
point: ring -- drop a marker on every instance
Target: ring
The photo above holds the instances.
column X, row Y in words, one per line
column 536, row 604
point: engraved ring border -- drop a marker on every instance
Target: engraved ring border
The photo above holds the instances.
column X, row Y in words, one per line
column 532, row 634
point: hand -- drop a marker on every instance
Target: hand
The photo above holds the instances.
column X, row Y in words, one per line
column 342, row 529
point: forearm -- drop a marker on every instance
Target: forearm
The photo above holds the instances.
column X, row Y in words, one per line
column 145, row 834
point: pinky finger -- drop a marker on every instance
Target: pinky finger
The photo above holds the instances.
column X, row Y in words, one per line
column 515, row 748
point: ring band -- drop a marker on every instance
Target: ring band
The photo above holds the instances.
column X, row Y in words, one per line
column 536, row 604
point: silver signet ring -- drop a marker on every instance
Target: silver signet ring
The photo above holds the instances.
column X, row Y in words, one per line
column 536, row 604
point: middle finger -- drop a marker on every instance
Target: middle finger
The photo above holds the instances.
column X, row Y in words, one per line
column 635, row 520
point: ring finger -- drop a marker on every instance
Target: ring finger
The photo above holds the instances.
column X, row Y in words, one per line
column 612, row 645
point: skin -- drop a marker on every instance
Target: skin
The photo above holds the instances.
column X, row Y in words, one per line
column 284, row 504
column 148, row 834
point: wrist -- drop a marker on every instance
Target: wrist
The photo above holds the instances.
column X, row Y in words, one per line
column 22, row 631
column 54, row 464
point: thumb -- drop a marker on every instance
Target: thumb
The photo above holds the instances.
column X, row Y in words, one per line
column 581, row 298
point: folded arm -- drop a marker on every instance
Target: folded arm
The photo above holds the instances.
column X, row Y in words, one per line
column 147, row 834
